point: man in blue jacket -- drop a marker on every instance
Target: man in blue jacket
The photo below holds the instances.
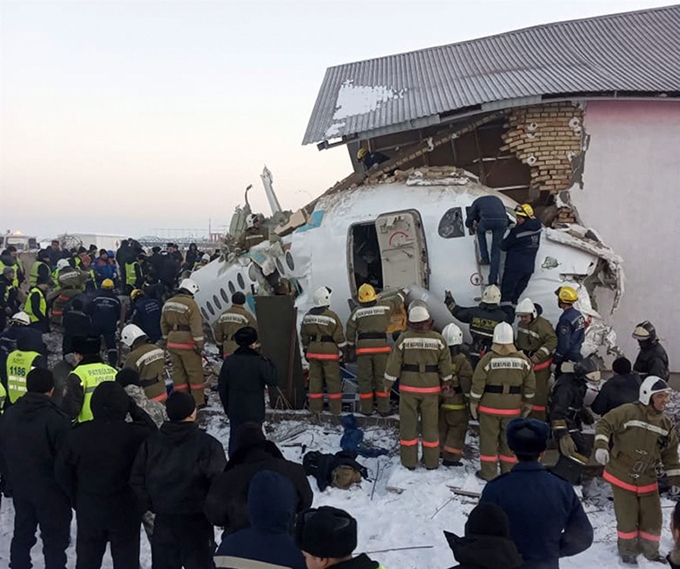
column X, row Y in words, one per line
column 570, row 329
column 547, row 520
column 487, row 213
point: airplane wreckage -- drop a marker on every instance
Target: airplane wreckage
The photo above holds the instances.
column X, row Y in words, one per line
column 402, row 230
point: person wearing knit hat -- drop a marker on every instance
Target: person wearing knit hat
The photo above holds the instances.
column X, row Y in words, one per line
column 622, row 387
column 327, row 537
column 180, row 407
column 487, row 543
column 230, row 321
column 547, row 520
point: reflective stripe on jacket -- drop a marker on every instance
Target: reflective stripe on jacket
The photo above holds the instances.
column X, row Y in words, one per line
column 91, row 375
column 18, row 365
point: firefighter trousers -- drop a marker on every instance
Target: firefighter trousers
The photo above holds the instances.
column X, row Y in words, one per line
column 182, row 541
column 187, row 373
column 493, row 446
column 325, row 372
column 156, row 391
column 419, row 416
column 371, row 380
column 638, row 522
column 453, row 425
column 540, row 404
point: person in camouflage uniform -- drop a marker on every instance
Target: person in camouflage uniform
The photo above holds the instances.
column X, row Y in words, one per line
column 69, row 286
column 367, row 333
column 322, row 338
column 182, row 328
column 453, row 412
column 537, row 340
column 130, row 381
column 237, row 316
column 641, row 436
column 147, row 359
column 503, row 388
column 422, row 363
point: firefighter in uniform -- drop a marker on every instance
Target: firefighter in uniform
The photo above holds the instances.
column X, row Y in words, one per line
column 322, row 338
column 537, row 340
column 367, row 334
column 68, row 280
column 89, row 372
column 652, row 358
column 503, row 388
column 147, row 359
column 482, row 319
column 571, row 329
column 19, row 363
column 641, row 436
column 36, row 305
column 237, row 316
column 182, row 328
column 453, row 412
column 253, row 235
column 422, row 363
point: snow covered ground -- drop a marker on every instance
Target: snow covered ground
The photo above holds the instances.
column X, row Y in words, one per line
column 387, row 520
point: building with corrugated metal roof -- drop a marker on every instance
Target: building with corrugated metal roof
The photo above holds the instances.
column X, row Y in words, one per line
column 579, row 118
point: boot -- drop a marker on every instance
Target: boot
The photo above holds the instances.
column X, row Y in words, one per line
column 478, row 474
column 629, row 560
column 657, row 558
column 452, row 463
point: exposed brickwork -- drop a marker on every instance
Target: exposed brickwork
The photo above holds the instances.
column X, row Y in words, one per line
column 550, row 139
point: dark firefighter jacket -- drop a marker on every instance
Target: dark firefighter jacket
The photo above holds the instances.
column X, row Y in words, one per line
column 521, row 246
column 547, row 520
column 146, row 313
column 104, row 310
column 482, row 320
column 571, row 330
column 566, row 404
column 616, row 391
column 243, row 378
column 174, row 468
column 652, row 359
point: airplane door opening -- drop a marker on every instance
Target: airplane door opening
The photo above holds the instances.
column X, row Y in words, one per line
column 364, row 251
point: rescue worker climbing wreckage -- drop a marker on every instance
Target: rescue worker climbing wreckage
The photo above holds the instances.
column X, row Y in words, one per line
column 571, row 329
column 147, row 359
column 652, row 358
column 641, row 437
column 537, row 340
column 367, row 335
column 237, row 316
column 503, row 388
column 422, row 363
column 322, row 339
column 182, row 328
column 453, row 412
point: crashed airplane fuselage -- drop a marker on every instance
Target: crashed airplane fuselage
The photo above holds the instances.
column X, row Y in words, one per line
column 411, row 233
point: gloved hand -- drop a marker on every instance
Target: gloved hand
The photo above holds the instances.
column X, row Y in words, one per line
column 526, row 409
column 473, row 409
column 587, row 417
column 602, row 457
column 567, row 446
column 448, row 298
column 674, row 493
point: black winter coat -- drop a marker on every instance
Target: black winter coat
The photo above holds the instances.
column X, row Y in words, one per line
column 243, row 377
column 616, row 391
column 104, row 310
column 146, row 313
column 175, row 467
column 484, row 552
column 94, row 466
column 521, row 245
column 33, row 432
column 486, row 207
column 362, row 561
column 227, row 503
column 652, row 360
column 566, row 400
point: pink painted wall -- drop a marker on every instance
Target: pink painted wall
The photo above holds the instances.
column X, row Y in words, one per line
column 631, row 196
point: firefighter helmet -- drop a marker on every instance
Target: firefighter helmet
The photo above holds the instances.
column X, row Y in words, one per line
column 502, row 334
column 136, row 293
column 322, row 296
column 130, row 334
column 491, row 295
column 651, row 385
column 108, row 284
column 367, row 293
column 62, row 264
column 587, row 368
column 361, row 153
column 452, row 334
column 524, row 210
column 418, row 314
column 525, row 306
column 567, row 294
column 251, row 219
column 21, row 318
column 644, row 331
column 189, row 285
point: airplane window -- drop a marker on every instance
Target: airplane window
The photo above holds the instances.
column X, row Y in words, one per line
column 252, row 273
column 289, row 261
column 451, row 224
column 232, row 288
column 205, row 314
column 241, row 282
column 210, row 308
column 224, row 296
column 217, row 302
column 279, row 266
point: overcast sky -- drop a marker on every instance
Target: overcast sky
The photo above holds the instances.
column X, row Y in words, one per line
column 129, row 116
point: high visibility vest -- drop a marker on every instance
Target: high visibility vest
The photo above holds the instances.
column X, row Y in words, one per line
column 130, row 273
column 3, row 398
column 91, row 375
column 15, row 282
column 33, row 277
column 18, row 365
column 28, row 307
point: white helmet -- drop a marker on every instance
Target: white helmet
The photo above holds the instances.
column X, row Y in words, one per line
column 251, row 219
column 62, row 264
column 502, row 334
column 130, row 334
column 205, row 258
column 21, row 318
column 453, row 335
column 322, row 296
column 418, row 314
column 525, row 306
column 651, row 385
column 491, row 295
column 189, row 285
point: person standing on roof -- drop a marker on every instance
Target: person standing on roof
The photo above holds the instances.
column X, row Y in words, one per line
column 487, row 213
column 147, row 359
column 237, row 316
column 641, row 437
column 367, row 330
column 652, row 358
column 182, row 328
column 422, row 363
column 322, row 339
column 503, row 388
column 571, row 329
column 482, row 319
column 370, row 159
column 521, row 247
column 537, row 340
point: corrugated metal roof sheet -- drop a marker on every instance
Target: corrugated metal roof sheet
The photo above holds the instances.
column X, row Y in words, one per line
column 630, row 52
